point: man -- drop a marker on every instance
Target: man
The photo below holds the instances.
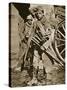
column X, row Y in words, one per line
column 40, row 31
column 23, row 43
column 41, row 41
column 47, row 30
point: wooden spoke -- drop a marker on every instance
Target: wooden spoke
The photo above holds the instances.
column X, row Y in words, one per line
column 61, row 33
column 60, row 39
column 60, row 45
column 62, row 51
column 58, row 53
column 63, row 27
column 35, row 42
column 37, row 37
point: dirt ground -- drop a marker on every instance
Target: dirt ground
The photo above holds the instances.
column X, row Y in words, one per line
column 22, row 78
column 55, row 75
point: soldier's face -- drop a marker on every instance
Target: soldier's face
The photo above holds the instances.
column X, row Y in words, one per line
column 30, row 21
column 39, row 15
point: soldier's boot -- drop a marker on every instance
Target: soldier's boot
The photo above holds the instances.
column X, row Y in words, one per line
column 45, row 75
column 34, row 79
column 44, row 72
column 37, row 72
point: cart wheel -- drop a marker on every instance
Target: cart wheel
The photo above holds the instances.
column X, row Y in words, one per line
column 60, row 42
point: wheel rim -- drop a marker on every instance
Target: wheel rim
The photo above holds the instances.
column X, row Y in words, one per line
column 60, row 42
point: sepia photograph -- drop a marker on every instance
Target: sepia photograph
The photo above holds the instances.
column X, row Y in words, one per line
column 36, row 44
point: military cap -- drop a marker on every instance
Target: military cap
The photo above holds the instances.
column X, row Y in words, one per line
column 40, row 8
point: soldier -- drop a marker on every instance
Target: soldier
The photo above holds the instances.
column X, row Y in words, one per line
column 45, row 31
column 23, row 43
column 37, row 42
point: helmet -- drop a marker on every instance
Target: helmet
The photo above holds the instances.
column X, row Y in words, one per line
column 40, row 9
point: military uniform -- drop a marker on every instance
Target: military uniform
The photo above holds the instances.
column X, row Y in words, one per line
column 42, row 39
column 24, row 42
column 37, row 40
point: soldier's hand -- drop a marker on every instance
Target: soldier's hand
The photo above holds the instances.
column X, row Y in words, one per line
column 42, row 47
